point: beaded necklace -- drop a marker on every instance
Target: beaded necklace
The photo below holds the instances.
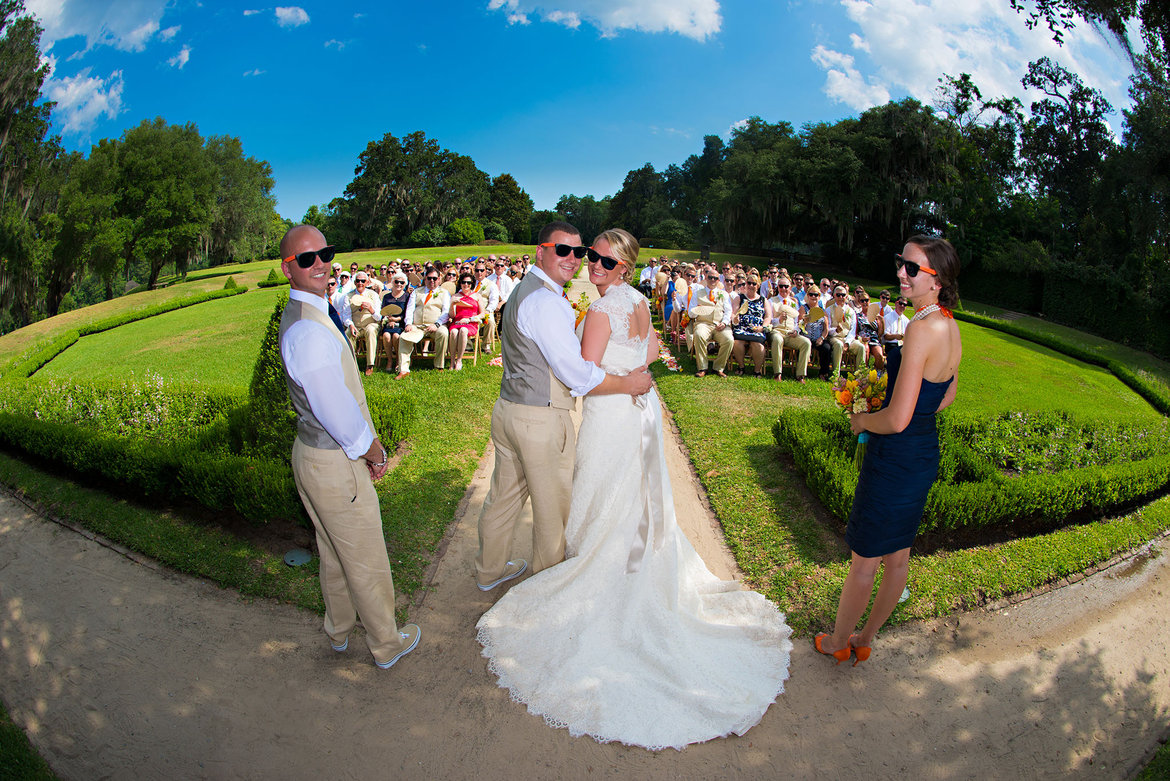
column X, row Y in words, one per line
column 930, row 309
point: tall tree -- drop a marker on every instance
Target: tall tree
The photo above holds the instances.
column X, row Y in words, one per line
column 641, row 202
column 510, row 206
column 241, row 216
column 401, row 185
column 586, row 213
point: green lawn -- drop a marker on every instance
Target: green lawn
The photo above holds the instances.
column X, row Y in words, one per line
column 214, row 343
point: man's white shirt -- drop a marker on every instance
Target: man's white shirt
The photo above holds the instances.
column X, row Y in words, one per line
column 547, row 318
column 419, row 296
column 312, row 356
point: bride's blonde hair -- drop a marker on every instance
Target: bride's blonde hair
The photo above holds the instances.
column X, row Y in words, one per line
column 624, row 247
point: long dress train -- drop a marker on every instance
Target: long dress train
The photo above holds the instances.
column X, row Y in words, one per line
column 632, row 638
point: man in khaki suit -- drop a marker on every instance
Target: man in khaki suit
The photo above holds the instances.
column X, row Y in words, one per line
column 426, row 317
column 710, row 313
column 786, row 329
column 533, row 435
column 336, row 457
column 365, row 308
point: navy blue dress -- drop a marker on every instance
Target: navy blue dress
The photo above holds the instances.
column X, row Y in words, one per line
column 896, row 476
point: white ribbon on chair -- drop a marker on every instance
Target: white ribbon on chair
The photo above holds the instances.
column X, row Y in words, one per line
column 657, row 510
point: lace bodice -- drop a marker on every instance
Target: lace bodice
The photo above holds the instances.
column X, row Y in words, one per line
column 624, row 353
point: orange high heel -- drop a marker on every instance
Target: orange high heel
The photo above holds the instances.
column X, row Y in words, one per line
column 835, row 654
column 862, row 651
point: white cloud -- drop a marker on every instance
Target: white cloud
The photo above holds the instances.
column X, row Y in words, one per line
column 169, row 33
column 291, row 16
column 844, row 83
column 124, row 24
column 254, row 72
column 252, row 11
column 336, row 44
column 82, row 99
column 698, row 19
column 734, row 126
column 180, row 59
column 904, row 46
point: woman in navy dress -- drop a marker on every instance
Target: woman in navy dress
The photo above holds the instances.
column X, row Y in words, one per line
column 901, row 461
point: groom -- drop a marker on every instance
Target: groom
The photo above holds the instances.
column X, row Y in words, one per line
column 532, row 432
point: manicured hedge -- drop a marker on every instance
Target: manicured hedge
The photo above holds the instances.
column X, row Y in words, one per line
column 273, row 280
column 971, row 492
column 28, row 364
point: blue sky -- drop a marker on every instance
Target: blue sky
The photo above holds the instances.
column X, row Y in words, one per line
column 565, row 95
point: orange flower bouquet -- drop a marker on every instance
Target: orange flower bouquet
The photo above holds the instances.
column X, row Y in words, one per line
column 856, row 394
column 581, row 305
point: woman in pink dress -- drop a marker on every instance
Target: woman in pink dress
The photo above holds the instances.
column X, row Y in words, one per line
column 466, row 314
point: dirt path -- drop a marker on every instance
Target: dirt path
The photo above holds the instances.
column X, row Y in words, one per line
column 119, row 669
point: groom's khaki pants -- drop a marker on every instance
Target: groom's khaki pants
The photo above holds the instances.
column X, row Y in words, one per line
column 355, row 568
column 534, row 458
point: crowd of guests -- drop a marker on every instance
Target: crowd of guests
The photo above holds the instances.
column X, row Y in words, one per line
column 390, row 310
column 733, row 317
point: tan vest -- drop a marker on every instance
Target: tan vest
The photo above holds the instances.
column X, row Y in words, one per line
column 428, row 313
column 309, row 429
column 527, row 377
column 785, row 313
column 362, row 318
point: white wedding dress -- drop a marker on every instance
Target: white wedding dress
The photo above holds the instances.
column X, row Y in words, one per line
column 631, row 638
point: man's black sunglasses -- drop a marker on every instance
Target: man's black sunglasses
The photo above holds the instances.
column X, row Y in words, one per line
column 563, row 250
column 307, row 259
column 607, row 263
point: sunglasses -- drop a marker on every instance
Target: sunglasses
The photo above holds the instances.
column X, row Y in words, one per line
column 563, row 250
column 840, row 295
column 911, row 267
column 607, row 263
column 307, row 259
column 783, row 287
column 466, row 282
column 432, row 279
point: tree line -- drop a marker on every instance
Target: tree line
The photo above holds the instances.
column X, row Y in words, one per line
column 75, row 230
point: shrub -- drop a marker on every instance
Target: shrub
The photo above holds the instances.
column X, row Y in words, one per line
column 273, row 280
column 230, row 283
column 495, row 231
column 1064, row 466
column 671, row 234
column 426, row 237
column 268, row 426
column 464, row 231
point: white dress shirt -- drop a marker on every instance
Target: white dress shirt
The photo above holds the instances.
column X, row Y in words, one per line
column 341, row 306
column 504, row 284
column 547, row 318
column 312, row 356
column 895, row 325
column 487, row 289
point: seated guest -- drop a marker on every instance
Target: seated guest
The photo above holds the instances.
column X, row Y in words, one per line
column 843, row 330
column 344, row 284
column 783, row 316
column 684, row 291
column 710, row 313
column 366, row 309
column 503, row 283
column 449, row 276
column 489, row 296
column 646, row 279
column 466, row 313
column 894, row 330
column 817, row 332
column 394, row 303
column 747, row 326
column 427, row 312
column 869, row 333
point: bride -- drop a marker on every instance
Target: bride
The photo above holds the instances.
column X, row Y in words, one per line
column 631, row 638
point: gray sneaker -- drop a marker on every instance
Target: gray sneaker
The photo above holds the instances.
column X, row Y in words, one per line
column 513, row 569
column 410, row 635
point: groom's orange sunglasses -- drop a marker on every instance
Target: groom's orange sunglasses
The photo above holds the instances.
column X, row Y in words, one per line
column 563, row 250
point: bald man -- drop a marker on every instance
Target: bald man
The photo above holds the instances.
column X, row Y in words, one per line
column 336, row 457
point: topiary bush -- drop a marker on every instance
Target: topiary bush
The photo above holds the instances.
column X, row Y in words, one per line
column 230, row 283
column 464, row 231
column 273, row 280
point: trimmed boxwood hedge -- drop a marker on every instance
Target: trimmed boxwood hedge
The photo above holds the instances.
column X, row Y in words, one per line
column 971, row 493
